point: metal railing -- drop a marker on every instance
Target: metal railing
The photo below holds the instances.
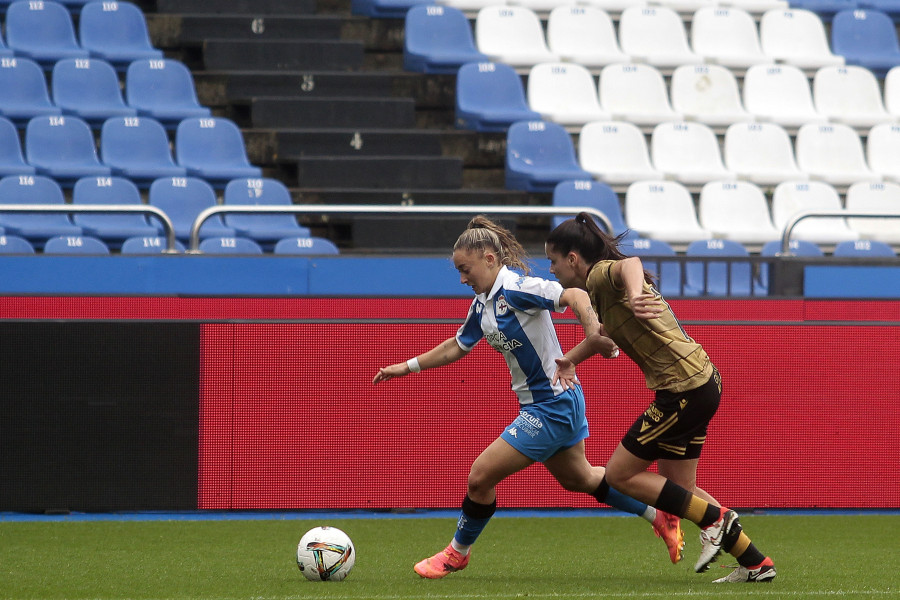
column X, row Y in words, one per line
column 101, row 208
column 205, row 214
column 809, row 214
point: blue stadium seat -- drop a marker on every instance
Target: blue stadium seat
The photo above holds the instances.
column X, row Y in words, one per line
column 265, row 229
column 540, row 154
column 138, row 148
column 305, row 245
column 229, row 245
column 23, row 91
column 653, row 253
column 864, row 249
column 163, row 89
column 34, row 227
column 490, row 97
column 213, row 149
column 5, row 52
column 89, row 89
column 11, row 160
column 594, row 194
column 438, row 39
column 75, row 244
column 112, row 228
column 148, row 245
column 773, row 248
column 13, row 244
column 62, row 148
column 42, row 31
column 384, row 9
column 182, row 199
column 867, row 38
column 826, row 9
column 714, row 278
column 115, row 32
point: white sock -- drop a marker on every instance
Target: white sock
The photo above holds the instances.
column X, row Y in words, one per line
column 649, row 514
column 461, row 548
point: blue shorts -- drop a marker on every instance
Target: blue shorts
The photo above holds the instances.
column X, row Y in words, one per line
column 544, row 428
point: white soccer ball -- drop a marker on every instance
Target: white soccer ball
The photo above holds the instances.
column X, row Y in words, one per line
column 325, row 554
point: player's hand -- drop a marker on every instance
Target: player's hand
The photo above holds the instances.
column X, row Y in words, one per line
column 606, row 347
column 647, row 306
column 385, row 373
column 565, row 373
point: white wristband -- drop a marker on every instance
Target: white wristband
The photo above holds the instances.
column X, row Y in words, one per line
column 413, row 365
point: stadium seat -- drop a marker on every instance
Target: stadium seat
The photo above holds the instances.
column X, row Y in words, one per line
column 148, row 245
column 5, row 52
column 229, row 245
column 112, row 228
column 213, row 149
column 589, row 193
column 832, row 153
column 564, row 93
column 182, row 199
column 13, row 244
column 688, row 153
column 864, row 249
column 539, row 155
column 265, row 229
column 438, row 39
column 663, row 210
column 584, row 35
column 879, row 197
column 791, row 198
column 384, row 9
column 824, row 9
column 883, row 151
column 115, row 32
column 138, row 148
column 780, row 94
column 761, row 153
column 34, row 227
column 771, row 249
column 796, row 37
column 42, row 31
column 490, row 97
column 89, row 89
column 867, row 38
column 541, row 6
column 75, row 244
column 708, row 94
column 849, row 95
column 717, row 278
column 63, row 148
column 11, row 160
column 636, row 93
column 655, row 36
column 892, row 92
column 23, row 91
column 615, row 152
column 305, row 246
column 737, row 211
column 513, row 35
column 727, row 37
column 164, row 90
column 652, row 254
column 889, row 7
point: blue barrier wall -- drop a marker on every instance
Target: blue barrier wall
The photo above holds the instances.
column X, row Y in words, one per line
column 321, row 276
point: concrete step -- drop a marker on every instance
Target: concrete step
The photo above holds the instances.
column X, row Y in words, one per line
column 379, row 172
column 333, row 112
column 243, row 55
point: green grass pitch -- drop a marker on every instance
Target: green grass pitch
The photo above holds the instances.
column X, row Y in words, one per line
column 847, row 557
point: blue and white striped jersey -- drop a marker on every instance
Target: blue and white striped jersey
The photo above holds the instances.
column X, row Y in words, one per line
column 515, row 320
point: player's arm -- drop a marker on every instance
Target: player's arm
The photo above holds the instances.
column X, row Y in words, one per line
column 628, row 274
column 444, row 353
column 594, row 342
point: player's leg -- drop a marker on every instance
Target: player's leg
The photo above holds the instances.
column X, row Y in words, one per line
column 495, row 463
column 572, row 470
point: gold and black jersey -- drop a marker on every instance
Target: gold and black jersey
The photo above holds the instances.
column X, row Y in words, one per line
column 669, row 358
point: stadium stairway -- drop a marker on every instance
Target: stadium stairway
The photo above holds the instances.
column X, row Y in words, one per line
column 326, row 107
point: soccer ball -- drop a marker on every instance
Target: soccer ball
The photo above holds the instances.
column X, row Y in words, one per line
column 325, row 554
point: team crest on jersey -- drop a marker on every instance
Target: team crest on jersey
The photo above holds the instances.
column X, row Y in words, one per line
column 501, row 306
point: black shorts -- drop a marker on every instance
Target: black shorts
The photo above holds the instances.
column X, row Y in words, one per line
column 674, row 425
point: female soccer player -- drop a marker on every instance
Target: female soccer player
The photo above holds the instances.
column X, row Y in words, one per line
column 512, row 312
column 672, row 430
